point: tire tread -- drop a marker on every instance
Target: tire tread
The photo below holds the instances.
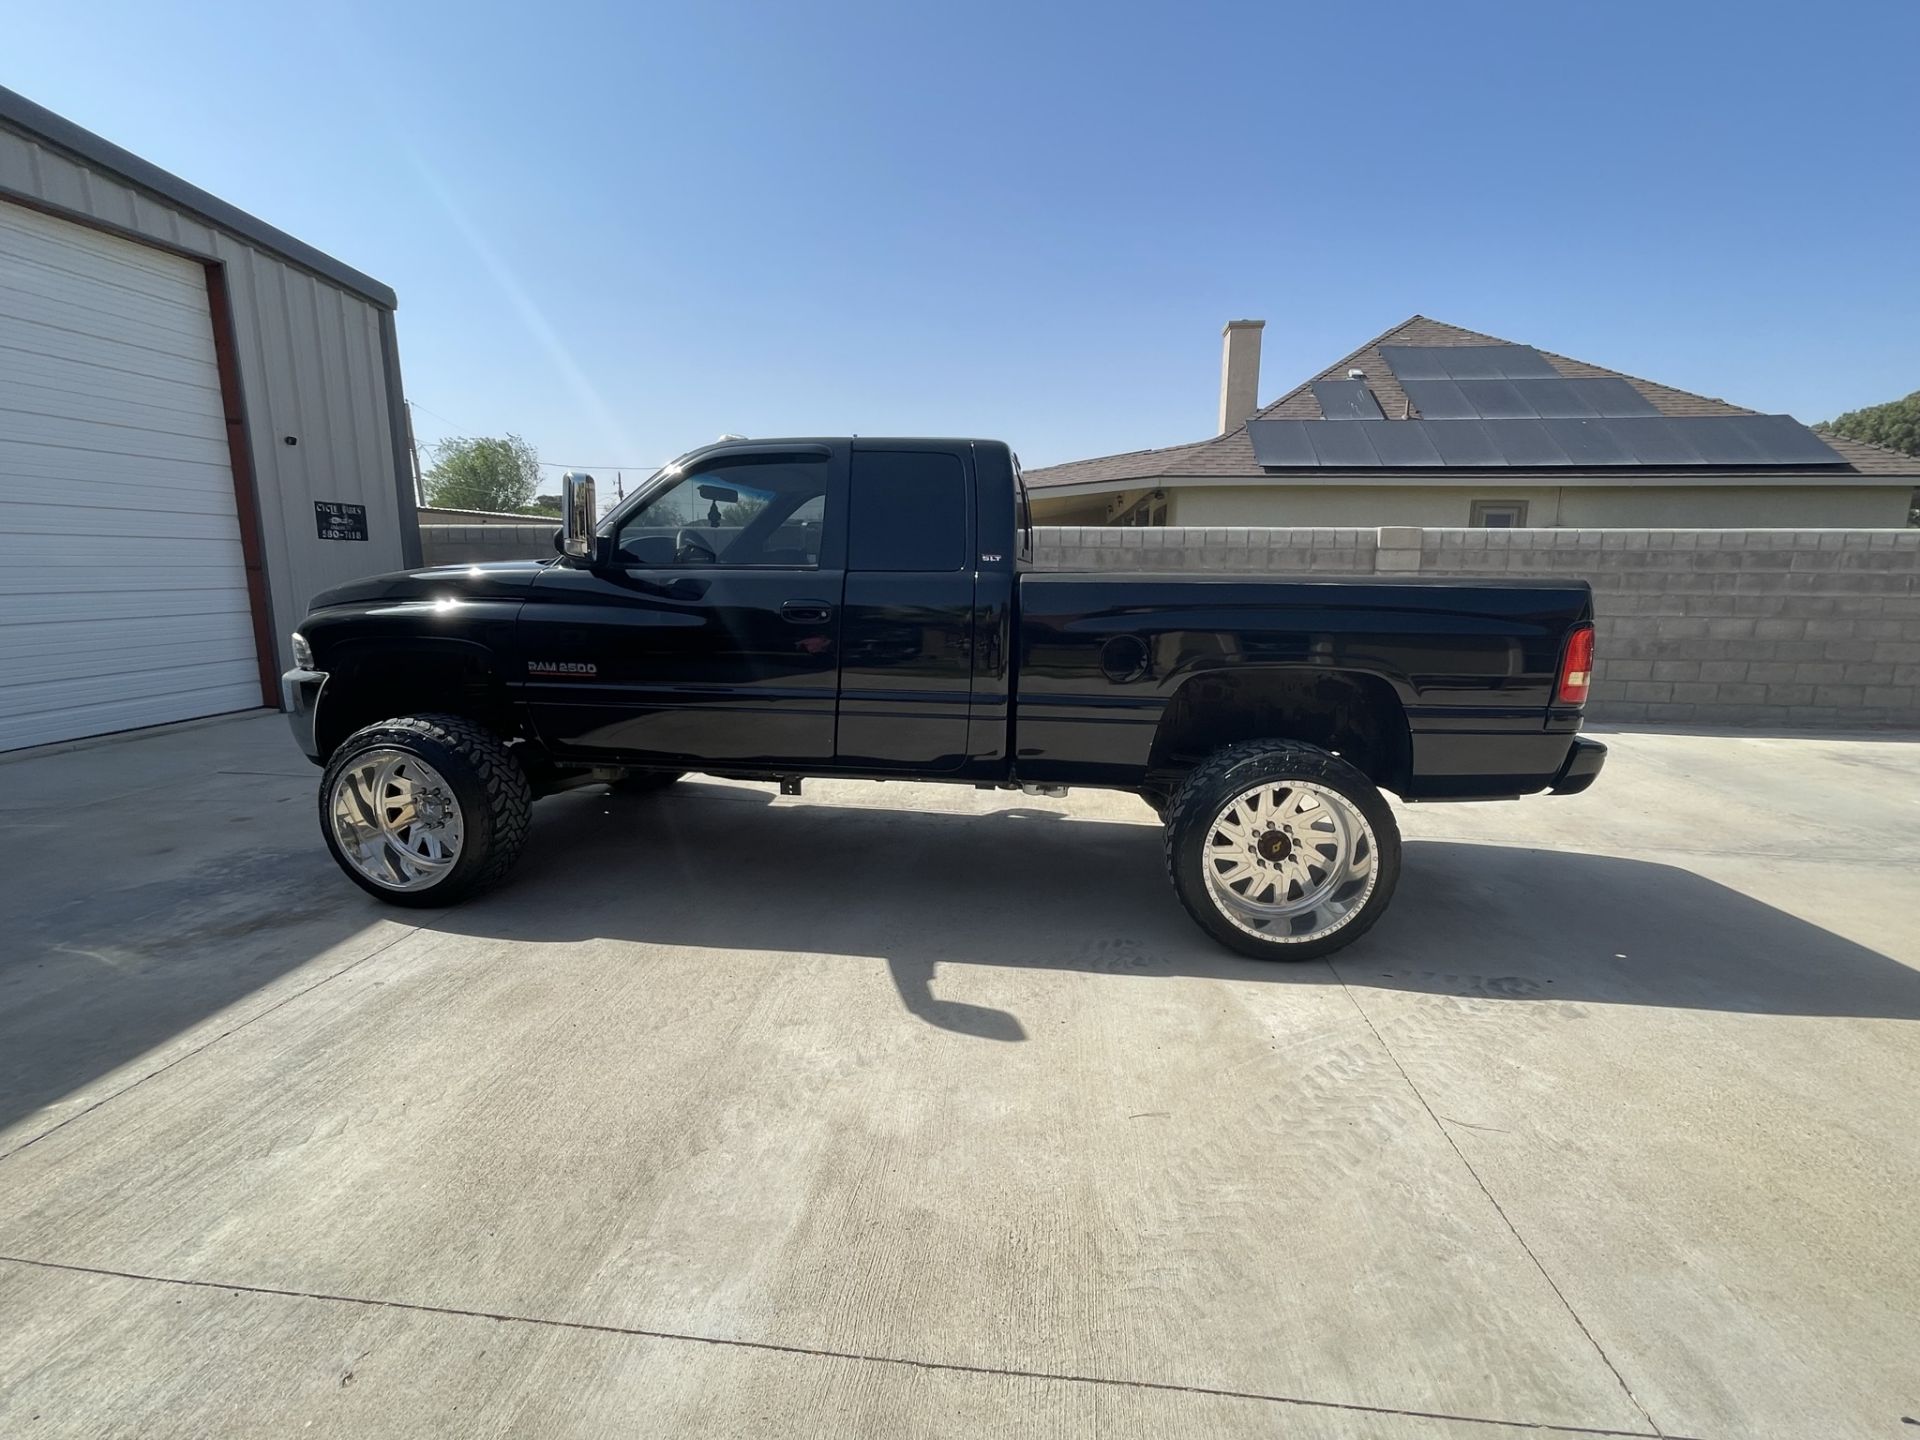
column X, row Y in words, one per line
column 502, row 781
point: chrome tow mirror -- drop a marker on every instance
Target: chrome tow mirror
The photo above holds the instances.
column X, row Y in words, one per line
column 579, row 515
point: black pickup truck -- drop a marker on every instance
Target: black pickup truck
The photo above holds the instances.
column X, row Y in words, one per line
column 779, row 609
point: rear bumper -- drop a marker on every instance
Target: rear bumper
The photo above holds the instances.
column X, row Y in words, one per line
column 300, row 698
column 1584, row 762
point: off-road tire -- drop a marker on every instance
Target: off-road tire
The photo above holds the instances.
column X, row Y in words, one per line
column 1205, row 792
column 496, row 802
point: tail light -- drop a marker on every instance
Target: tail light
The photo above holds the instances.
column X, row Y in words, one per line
column 1576, row 667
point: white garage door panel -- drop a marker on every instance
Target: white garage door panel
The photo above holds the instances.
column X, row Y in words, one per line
column 135, row 624
column 128, row 579
column 126, row 521
column 65, row 465
column 197, row 420
column 40, row 239
column 102, row 493
column 135, row 327
column 106, row 709
column 119, row 448
column 40, row 367
column 157, row 363
column 183, row 647
column 123, row 594
column 172, row 564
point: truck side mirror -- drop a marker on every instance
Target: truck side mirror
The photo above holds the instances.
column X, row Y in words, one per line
column 578, row 513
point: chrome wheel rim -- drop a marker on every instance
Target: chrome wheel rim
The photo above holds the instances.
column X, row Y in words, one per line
column 396, row 820
column 1290, row 861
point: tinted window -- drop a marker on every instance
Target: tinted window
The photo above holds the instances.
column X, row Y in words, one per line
column 738, row 513
column 909, row 512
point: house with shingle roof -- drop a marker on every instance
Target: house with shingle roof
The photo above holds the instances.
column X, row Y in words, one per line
column 1429, row 424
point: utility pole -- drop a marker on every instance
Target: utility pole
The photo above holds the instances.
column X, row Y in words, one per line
column 419, row 482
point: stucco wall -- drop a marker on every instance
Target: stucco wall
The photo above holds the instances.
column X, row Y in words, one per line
column 1847, row 507
column 1733, row 627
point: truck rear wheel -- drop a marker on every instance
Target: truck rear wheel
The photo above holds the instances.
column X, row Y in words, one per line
column 425, row 809
column 1281, row 850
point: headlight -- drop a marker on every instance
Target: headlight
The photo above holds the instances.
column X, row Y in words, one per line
column 302, row 652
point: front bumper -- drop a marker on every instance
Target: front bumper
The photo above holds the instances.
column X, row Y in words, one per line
column 300, row 698
column 1581, row 769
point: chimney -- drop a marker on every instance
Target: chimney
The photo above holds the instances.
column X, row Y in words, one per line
column 1239, row 372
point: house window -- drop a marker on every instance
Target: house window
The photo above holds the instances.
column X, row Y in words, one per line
column 1150, row 510
column 1499, row 514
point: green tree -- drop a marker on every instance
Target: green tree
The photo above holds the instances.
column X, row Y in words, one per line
column 545, row 505
column 1895, row 425
column 481, row 473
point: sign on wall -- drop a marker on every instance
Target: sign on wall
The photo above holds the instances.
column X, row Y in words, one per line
column 338, row 521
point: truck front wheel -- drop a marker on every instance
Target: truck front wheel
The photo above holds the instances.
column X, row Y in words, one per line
column 1281, row 850
column 425, row 809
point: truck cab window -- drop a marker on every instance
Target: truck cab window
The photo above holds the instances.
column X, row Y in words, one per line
column 909, row 512
column 741, row 514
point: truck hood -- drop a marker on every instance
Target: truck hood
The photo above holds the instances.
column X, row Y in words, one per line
column 494, row 580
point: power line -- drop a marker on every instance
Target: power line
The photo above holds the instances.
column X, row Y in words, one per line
column 607, row 465
column 435, row 413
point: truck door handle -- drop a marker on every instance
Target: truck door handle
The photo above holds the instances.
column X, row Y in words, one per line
column 807, row 612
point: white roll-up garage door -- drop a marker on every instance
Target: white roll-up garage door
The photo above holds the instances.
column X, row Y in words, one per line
column 123, row 593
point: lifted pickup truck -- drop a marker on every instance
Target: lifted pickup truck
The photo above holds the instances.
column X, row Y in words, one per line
column 780, row 609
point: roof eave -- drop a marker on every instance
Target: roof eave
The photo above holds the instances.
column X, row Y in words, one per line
column 41, row 124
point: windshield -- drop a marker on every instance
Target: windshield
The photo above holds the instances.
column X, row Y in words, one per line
column 607, row 517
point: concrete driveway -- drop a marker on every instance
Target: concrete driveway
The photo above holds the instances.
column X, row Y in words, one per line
column 899, row 1110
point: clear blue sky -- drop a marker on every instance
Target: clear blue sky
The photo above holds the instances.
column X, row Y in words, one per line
column 623, row 229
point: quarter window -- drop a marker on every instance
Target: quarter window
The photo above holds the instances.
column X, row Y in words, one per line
column 909, row 512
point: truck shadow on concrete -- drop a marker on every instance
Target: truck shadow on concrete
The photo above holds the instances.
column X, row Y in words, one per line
column 721, row 868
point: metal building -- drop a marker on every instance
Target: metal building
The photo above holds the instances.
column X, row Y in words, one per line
column 201, row 425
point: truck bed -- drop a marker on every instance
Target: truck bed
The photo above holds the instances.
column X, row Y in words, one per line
column 1471, row 665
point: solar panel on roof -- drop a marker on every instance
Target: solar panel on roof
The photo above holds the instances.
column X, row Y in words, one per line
column 1784, row 440
column 1467, row 362
column 1496, row 400
column 1345, row 446
column 1282, row 444
column 1554, row 443
column 1655, row 439
column 1526, row 399
column 1404, row 444
column 1559, row 399
column 1438, row 400
column 1497, row 362
column 1588, row 442
column 1526, row 444
column 1415, row 362
column 1609, row 395
column 1346, row 400
column 1464, row 443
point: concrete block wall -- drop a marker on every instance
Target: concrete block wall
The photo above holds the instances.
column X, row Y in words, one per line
column 1723, row 627
column 471, row 544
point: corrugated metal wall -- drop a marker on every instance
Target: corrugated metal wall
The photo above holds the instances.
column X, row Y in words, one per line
column 313, row 362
